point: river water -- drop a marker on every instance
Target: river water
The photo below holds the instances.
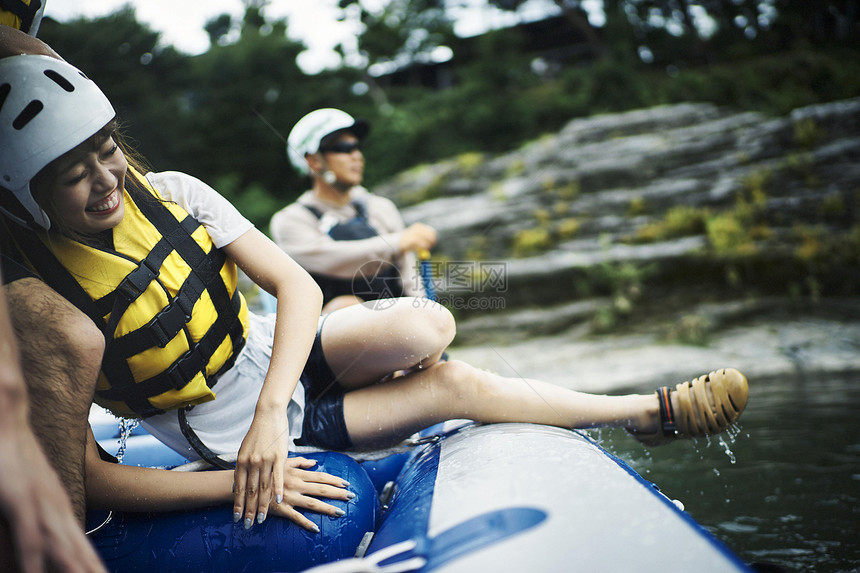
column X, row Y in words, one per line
column 786, row 490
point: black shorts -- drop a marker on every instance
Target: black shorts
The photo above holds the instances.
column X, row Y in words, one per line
column 324, row 426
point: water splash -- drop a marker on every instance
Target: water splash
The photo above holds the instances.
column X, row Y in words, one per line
column 728, row 437
column 728, row 450
column 596, row 434
column 126, row 427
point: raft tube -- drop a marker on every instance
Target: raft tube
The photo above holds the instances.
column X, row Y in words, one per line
column 208, row 540
column 500, row 497
column 522, row 497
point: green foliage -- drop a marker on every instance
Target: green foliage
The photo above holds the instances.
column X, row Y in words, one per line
column 692, row 329
column 637, row 206
column 625, row 283
column 253, row 201
column 832, row 207
column 806, row 133
column 567, row 191
column 729, row 236
column 680, row 221
column 514, row 168
column 399, row 31
column 532, row 241
column 469, row 162
column 568, row 227
column 202, row 114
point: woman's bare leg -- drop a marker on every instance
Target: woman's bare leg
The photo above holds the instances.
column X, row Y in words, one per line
column 364, row 343
column 385, row 413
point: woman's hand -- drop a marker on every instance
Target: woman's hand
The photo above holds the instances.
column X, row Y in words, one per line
column 301, row 489
column 259, row 475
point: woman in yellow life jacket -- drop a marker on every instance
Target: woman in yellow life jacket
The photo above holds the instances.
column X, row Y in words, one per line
column 152, row 260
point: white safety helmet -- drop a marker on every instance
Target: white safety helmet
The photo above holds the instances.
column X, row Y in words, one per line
column 309, row 131
column 47, row 107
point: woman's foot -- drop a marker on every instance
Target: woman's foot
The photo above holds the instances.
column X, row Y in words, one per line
column 702, row 407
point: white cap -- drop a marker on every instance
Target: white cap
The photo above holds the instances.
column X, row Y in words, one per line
column 49, row 107
column 309, row 131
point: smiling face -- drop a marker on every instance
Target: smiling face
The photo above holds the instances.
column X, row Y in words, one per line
column 82, row 191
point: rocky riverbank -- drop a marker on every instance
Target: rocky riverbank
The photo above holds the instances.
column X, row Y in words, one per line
column 677, row 193
column 648, row 246
column 765, row 339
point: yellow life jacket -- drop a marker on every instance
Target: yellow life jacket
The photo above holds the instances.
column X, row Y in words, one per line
column 166, row 299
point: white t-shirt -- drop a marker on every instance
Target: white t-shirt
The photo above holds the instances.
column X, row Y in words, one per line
column 222, row 220
column 222, row 423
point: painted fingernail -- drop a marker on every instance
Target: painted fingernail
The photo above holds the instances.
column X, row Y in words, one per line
column 339, row 512
column 315, row 528
column 248, row 522
column 350, row 495
column 237, row 516
column 260, row 517
column 279, row 498
column 345, row 483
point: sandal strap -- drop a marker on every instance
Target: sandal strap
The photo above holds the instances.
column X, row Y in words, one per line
column 708, row 422
column 667, row 414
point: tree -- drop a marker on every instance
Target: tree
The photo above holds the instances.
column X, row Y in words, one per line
column 141, row 78
column 236, row 96
column 399, row 34
column 572, row 10
column 218, row 28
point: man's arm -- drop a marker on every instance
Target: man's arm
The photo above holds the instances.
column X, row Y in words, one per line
column 15, row 42
column 37, row 525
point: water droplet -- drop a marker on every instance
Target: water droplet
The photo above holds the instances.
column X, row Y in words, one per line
column 126, row 427
column 727, row 450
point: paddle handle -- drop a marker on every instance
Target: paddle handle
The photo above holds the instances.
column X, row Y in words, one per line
column 427, row 273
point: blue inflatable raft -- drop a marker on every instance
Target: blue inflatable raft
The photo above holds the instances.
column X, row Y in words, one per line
column 465, row 498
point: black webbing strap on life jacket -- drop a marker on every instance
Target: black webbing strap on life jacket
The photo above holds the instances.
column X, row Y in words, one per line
column 206, row 266
column 205, row 275
column 117, row 303
column 22, row 11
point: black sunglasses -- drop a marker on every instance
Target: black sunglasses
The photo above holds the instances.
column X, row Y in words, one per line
column 342, row 147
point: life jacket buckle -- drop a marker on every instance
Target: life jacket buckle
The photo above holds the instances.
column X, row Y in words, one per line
column 137, row 281
column 167, row 324
column 181, row 372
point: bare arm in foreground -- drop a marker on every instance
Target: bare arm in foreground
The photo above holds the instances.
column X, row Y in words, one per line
column 37, row 524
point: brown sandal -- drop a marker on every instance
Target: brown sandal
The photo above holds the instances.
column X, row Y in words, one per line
column 697, row 417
